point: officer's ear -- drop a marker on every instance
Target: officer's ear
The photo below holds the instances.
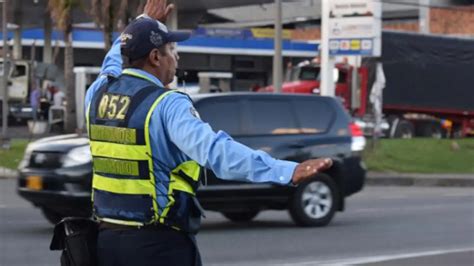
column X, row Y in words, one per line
column 155, row 57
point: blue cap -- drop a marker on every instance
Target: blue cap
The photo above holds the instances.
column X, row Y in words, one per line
column 144, row 34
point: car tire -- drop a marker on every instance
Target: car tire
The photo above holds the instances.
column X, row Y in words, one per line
column 432, row 131
column 315, row 202
column 52, row 216
column 241, row 216
column 404, row 130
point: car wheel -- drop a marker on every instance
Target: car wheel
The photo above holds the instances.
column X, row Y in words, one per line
column 433, row 131
column 404, row 130
column 314, row 202
column 240, row 217
column 52, row 216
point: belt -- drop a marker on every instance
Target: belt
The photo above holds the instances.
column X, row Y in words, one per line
column 112, row 226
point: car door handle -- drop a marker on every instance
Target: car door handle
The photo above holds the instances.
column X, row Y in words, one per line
column 296, row 146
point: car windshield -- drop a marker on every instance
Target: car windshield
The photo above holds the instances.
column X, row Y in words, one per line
column 305, row 73
column 314, row 73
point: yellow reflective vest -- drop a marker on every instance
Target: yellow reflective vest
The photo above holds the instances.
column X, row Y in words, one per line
column 125, row 186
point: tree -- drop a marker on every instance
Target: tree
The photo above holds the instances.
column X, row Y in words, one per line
column 61, row 12
column 111, row 15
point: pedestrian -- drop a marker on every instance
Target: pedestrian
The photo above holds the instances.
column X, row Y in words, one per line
column 35, row 97
column 148, row 143
column 58, row 96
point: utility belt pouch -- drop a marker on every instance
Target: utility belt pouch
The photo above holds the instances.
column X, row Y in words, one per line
column 77, row 238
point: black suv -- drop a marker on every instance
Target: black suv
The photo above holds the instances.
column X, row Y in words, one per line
column 56, row 172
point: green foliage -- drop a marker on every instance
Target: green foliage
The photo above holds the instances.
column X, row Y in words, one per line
column 61, row 12
column 12, row 157
column 421, row 156
column 110, row 15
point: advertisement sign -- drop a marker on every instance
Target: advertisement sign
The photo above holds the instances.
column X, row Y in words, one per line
column 270, row 33
column 355, row 27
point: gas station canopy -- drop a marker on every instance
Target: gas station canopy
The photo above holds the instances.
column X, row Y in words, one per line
column 31, row 13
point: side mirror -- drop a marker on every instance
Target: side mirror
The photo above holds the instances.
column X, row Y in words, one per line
column 335, row 75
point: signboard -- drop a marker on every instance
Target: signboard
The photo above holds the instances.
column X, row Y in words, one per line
column 355, row 27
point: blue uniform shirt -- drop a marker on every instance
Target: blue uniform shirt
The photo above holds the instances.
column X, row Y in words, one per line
column 195, row 139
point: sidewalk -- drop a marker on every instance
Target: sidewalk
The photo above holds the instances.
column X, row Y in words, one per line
column 21, row 132
column 375, row 179
column 420, row 180
column 6, row 173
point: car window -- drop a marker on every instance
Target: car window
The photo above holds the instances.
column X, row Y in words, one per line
column 221, row 115
column 314, row 116
column 273, row 117
column 309, row 73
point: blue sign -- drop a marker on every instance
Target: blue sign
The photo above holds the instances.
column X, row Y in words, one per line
column 353, row 46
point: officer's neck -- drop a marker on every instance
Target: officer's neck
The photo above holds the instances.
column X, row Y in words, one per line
column 154, row 71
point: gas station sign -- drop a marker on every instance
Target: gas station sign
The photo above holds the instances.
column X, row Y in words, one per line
column 355, row 27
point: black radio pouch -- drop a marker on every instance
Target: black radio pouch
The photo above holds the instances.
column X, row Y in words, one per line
column 77, row 238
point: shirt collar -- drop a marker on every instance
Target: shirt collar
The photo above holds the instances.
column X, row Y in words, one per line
column 143, row 75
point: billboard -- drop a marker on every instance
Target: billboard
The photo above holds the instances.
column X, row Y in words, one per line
column 355, row 27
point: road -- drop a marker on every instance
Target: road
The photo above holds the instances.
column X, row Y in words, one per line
column 382, row 226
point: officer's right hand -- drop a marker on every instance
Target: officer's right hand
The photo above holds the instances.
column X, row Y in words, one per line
column 309, row 168
column 158, row 9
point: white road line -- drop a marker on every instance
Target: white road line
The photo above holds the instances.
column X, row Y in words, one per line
column 415, row 208
column 376, row 259
column 459, row 194
column 352, row 261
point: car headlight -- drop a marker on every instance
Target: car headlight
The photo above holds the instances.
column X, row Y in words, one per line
column 77, row 156
column 26, row 157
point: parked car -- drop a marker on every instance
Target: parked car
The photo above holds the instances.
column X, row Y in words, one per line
column 56, row 172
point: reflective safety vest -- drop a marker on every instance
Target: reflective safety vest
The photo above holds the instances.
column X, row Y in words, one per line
column 124, row 185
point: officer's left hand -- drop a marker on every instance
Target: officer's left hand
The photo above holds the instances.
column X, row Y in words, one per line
column 307, row 169
column 158, row 9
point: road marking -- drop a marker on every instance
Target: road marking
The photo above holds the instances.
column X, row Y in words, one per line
column 459, row 194
column 404, row 209
column 376, row 259
column 353, row 261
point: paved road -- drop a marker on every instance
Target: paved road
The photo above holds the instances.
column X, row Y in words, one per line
column 382, row 226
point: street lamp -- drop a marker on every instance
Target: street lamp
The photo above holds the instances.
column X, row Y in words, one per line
column 278, row 56
column 6, row 68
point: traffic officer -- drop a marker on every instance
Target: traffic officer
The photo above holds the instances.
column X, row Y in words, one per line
column 148, row 144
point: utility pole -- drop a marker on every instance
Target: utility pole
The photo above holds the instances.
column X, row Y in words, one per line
column 6, row 71
column 278, row 57
column 327, row 62
column 424, row 16
column 172, row 22
column 48, row 31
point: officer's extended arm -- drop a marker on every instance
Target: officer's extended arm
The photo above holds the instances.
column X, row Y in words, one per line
column 218, row 151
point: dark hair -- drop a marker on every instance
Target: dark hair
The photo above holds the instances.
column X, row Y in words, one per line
column 139, row 62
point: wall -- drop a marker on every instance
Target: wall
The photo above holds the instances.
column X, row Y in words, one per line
column 455, row 21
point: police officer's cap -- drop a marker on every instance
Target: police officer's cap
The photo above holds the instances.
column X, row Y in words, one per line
column 144, row 34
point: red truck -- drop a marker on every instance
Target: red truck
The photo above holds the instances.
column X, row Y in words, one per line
column 429, row 88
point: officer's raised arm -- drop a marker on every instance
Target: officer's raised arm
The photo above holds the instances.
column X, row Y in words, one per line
column 112, row 64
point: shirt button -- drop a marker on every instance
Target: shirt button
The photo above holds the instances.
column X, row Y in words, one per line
column 282, row 178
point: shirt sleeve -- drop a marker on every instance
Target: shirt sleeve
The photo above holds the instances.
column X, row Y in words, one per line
column 112, row 64
column 227, row 158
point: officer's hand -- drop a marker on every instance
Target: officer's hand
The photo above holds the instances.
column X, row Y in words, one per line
column 309, row 168
column 158, row 9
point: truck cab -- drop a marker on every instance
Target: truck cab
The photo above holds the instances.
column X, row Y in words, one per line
column 18, row 89
column 305, row 78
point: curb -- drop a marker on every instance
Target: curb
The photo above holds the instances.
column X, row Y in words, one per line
column 420, row 180
column 6, row 173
